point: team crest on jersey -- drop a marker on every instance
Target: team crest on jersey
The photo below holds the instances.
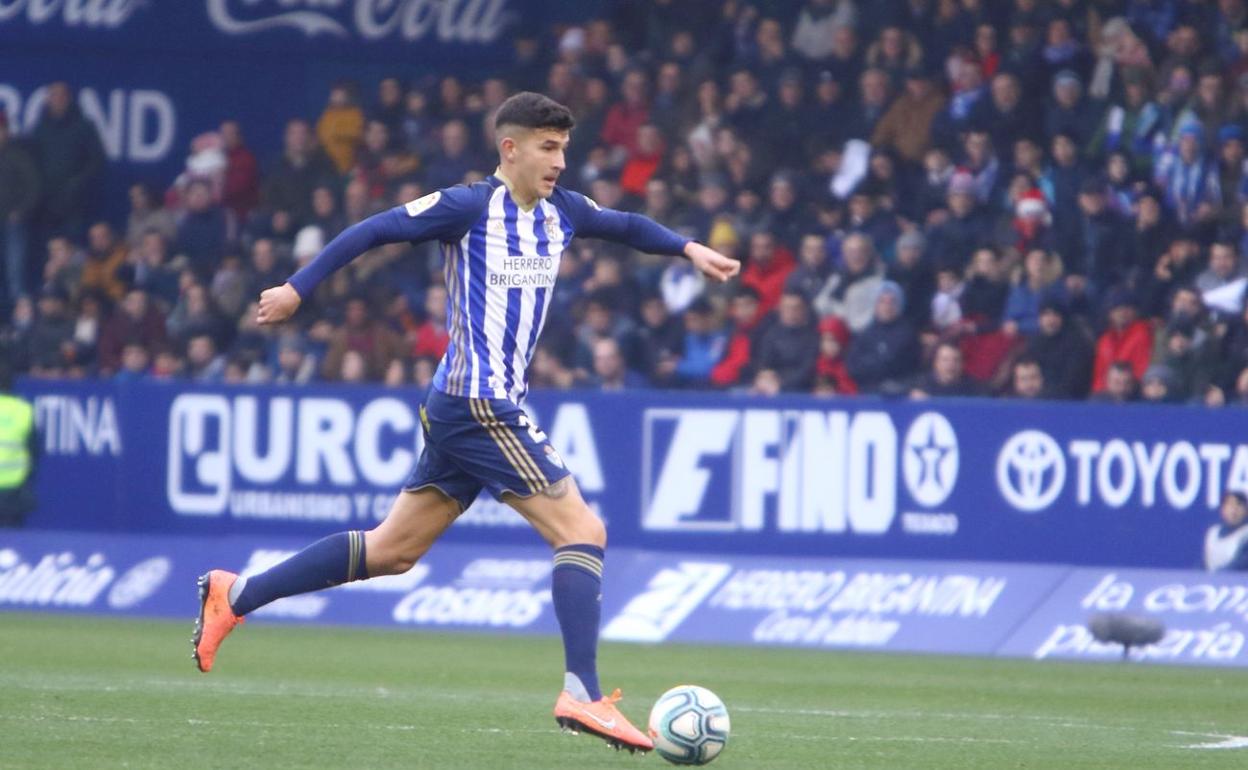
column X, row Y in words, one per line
column 552, row 229
column 553, row 456
column 423, row 203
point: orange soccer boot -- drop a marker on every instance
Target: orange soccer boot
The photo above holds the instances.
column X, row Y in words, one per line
column 216, row 618
column 600, row 718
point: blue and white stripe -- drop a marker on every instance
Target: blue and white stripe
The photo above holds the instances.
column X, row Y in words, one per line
column 499, row 278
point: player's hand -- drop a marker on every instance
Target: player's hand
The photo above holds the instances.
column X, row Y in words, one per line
column 711, row 263
column 278, row 304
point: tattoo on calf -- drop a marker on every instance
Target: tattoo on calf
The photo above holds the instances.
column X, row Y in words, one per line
column 557, row 490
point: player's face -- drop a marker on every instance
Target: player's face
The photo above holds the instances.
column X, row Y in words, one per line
column 539, row 160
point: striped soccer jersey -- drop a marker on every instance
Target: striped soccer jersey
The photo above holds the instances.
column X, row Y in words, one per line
column 501, row 262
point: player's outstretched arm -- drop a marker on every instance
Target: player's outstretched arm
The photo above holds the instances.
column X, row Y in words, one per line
column 278, row 304
column 711, row 263
column 644, row 234
column 442, row 215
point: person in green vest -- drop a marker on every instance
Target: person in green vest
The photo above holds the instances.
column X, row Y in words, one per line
column 17, row 454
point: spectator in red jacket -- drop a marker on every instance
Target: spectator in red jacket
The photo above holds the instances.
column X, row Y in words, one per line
column 429, row 338
column 749, row 324
column 769, row 266
column 134, row 320
column 830, row 369
column 241, row 192
column 1127, row 339
column 627, row 116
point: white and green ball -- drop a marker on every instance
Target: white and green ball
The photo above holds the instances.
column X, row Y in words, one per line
column 689, row 725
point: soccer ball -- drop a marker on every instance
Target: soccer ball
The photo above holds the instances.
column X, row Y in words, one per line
column 689, row 725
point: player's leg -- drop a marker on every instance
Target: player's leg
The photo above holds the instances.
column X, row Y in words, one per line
column 562, row 517
column 416, row 519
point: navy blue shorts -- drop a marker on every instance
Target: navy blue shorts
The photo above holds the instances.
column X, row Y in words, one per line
column 482, row 443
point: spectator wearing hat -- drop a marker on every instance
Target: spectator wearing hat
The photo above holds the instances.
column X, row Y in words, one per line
column 1032, row 222
column 1158, row 386
column 1068, row 112
column 906, row 127
column 71, row 159
column 882, row 358
column 1188, row 180
column 19, row 195
column 790, row 346
column 831, row 371
column 850, row 293
column 1127, row 338
column 1063, row 351
column 965, row 229
column 912, row 271
column 1226, row 543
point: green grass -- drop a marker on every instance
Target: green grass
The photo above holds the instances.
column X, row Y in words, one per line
column 93, row 693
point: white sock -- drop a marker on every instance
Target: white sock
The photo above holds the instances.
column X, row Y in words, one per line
column 236, row 590
column 573, row 686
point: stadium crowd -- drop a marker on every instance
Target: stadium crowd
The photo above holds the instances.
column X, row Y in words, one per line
column 1029, row 198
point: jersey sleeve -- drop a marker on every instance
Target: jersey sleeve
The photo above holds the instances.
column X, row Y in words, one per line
column 444, row 215
column 642, row 233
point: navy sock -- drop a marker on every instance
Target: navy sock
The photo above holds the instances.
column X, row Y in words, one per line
column 328, row 562
column 576, row 590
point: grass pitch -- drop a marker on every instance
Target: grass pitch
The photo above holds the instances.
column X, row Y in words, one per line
column 93, row 693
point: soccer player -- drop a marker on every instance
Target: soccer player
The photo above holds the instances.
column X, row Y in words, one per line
column 502, row 239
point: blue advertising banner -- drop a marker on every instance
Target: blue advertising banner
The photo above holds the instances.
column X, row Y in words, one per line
column 706, row 473
column 965, row 608
column 1205, row 615
column 1033, row 611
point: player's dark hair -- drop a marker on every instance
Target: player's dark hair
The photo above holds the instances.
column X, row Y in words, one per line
column 531, row 110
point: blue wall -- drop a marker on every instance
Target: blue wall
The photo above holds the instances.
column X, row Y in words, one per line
column 975, row 480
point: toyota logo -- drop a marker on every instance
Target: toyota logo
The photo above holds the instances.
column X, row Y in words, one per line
column 1031, row 470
